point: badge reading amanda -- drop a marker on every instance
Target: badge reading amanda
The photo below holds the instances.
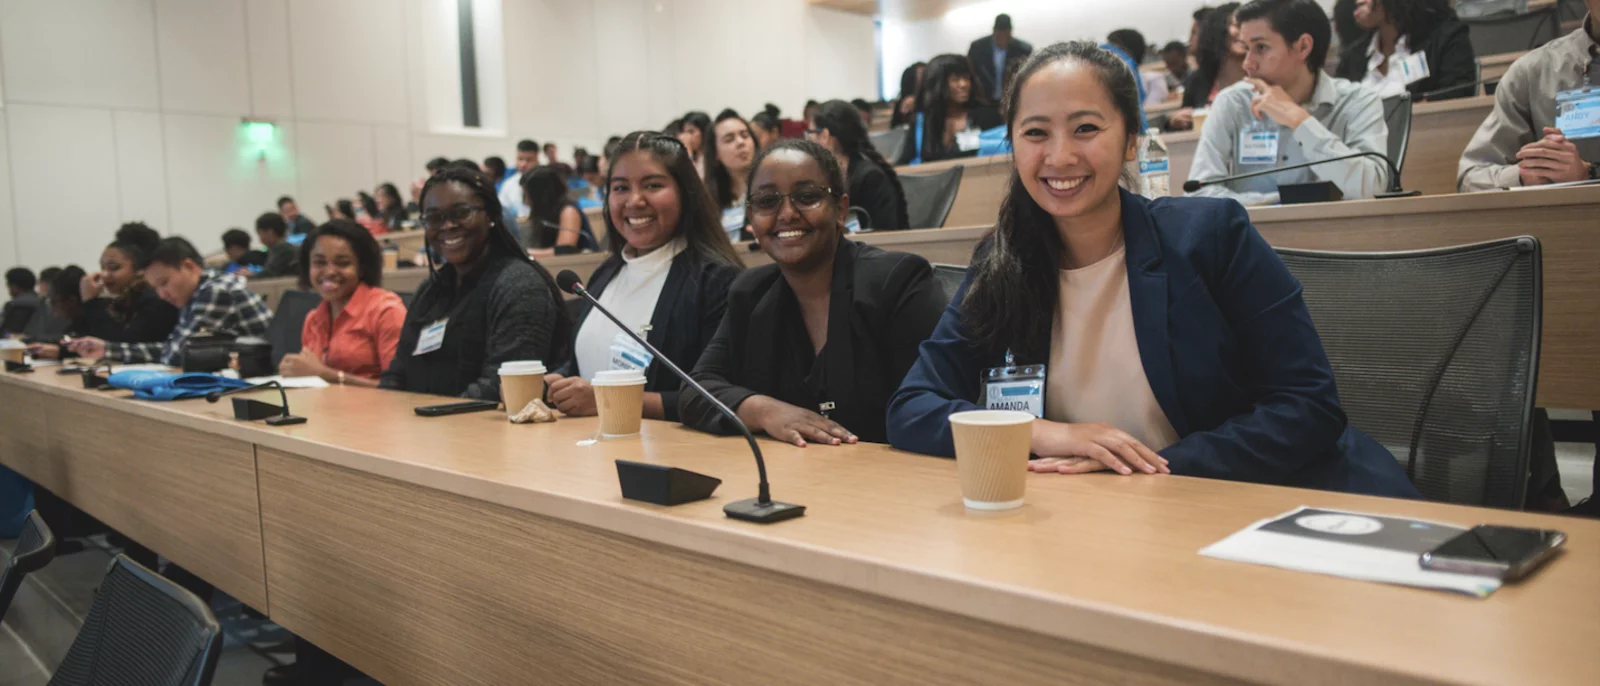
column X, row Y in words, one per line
column 1015, row 388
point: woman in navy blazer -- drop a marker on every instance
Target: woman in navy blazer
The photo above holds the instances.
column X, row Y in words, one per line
column 1225, row 343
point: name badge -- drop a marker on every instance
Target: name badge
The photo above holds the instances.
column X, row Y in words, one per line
column 432, row 337
column 1412, row 68
column 1015, row 388
column 852, row 224
column 733, row 222
column 627, row 354
column 968, row 141
column 1578, row 112
column 1258, row 144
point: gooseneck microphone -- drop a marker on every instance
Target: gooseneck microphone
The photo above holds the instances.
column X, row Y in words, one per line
column 761, row 509
column 1394, row 191
column 251, row 410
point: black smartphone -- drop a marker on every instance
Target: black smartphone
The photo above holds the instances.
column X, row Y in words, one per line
column 1504, row 552
column 457, row 408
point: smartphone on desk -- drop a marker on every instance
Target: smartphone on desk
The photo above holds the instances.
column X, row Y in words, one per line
column 457, row 408
column 1507, row 553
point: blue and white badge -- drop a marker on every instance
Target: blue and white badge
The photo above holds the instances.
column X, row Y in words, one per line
column 969, row 140
column 1411, row 68
column 628, row 354
column 733, row 222
column 432, row 337
column 1578, row 112
column 853, row 225
column 1015, row 388
column 1258, row 143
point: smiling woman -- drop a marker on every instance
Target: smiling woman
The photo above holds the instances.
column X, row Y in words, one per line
column 351, row 337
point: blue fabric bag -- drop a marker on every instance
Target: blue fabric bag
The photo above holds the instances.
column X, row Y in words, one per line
column 149, row 384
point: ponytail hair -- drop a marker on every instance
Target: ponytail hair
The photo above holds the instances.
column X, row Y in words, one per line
column 842, row 120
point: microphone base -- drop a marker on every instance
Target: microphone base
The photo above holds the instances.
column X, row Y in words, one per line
column 1397, row 194
column 250, row 410
column 751, row 510
column 285, row 420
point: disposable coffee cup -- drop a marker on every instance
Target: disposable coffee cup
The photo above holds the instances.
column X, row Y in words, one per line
column 619, row 395
column 12, row 350
column 520, row 383
column 1200, row 118
column 992, row 456
column 391, row 259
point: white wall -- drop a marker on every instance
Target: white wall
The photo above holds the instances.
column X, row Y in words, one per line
column 117, row 110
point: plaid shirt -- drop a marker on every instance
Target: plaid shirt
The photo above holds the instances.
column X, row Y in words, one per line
column 221, row 304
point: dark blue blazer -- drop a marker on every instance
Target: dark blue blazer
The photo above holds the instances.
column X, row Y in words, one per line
column 1226, row 342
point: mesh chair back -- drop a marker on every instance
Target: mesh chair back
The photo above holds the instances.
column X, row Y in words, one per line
column 36, row 546
column 1397, row 115
column 950, row 277
column 891, row 144
column 142, row 630
column 1513, row 33
column 929, row 197
column 288, row 321
column 1435, row 353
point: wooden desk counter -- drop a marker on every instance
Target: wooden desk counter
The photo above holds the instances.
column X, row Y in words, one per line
column 465, row 550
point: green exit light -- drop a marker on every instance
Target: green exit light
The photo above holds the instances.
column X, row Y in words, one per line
column 259, row 132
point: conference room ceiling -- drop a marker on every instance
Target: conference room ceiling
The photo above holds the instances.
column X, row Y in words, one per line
column 904, row 10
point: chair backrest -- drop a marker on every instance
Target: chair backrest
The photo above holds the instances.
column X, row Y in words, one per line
column 142, row 629
column 288, row 321
column 950, row 277
column 36, row 546
column 891, row 144
column 1397, row 115
column 1435, row 353
column 929, row 197
column 406, row 297
column 1513, row 33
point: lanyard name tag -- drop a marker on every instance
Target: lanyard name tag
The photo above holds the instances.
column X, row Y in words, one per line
column 1412, row 68
column 626, row 354
column 1258, row 144
column 1578, row 112
column 852, row 224
column 1015, row 388
column 969, row 140
column 432, row 337
column 733, row 222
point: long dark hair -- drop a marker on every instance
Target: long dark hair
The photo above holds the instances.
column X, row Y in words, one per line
column 825, row 159
column 840, row 120
column 396, row 214
column 1213, row 47
column 699, row 120
column 1415, row 19
column 546, row 195
column 699, row 223
column 719, row 181
column 369, row 257
column 767, row 119
column 933, row 98
column 502, row 242
column 1016, row 280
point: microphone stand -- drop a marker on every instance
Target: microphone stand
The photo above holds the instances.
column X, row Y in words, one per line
column 1394, row 189
column 251, row 410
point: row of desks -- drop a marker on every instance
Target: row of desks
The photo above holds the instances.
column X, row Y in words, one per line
column 467, row 550
column 1565, row 220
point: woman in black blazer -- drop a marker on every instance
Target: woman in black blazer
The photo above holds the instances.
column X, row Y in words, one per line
column 873, row 185
column 811, row 347
column 1429, row 27
column 668, row 276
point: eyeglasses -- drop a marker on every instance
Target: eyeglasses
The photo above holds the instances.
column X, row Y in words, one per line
column 455, row 215
column 808, row 198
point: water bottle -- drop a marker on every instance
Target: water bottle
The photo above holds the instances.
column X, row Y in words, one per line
column 1154, row 171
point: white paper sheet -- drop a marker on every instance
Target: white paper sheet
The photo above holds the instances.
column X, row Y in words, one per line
column 292, row 381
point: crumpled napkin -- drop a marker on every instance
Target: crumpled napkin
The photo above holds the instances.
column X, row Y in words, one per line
column 536, row 412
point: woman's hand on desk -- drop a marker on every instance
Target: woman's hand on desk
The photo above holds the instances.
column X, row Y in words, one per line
column 1090, row 447
column 791, row 424
column 88, row 347
column 570, row 394
column 301, row 364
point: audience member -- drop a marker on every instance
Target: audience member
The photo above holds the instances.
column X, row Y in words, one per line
column 1219, row 59
column 283, row 259
column 495, row 167
column 1416, row 46
column 727, row 169
column 592, row 195
column 1172, row 336
column 65, row 305
column 554, row 160
column 1520, row 144
column 692, row 131
column 209, row 301
column 871, row 182
column 1176, row 56
column 341, row 209
column 46, row 277
column 950, row 116
column 1288, row 112
column 557, row 226
column 863, row 108
column 1346, row 30
column 116, row 305
column 390, row 208
column 987, row 57
column 809, row 111
column 433, row 167
column 667, row 277
column 767, row 127
column 350, row 338
column 25, row 303
column 1130, row 46
column 510, row 192
column 905, row 104
column 290, row 211
column 489, row 303
column 369, row 215
column 1199, row 20
column 241, row 259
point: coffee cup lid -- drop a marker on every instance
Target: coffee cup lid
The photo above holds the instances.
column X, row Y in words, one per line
column 991, row 418
column 517, row 367
column 618, row 377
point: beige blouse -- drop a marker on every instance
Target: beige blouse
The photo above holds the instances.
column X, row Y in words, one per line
column 1095, row 373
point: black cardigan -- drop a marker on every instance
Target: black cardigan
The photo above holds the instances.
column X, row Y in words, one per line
column 871, row 190
column 685, row 318
column 883, row 305
column 1451, row 61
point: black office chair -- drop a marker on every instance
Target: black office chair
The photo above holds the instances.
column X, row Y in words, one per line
column 929, row 197
column 142, row 629
column 406, row 297
column 950, row 277
column 288, row 321
column 892, row 143
column 36, row 546
column 1436, row 353
column 1397, row 116
column 1513, row 32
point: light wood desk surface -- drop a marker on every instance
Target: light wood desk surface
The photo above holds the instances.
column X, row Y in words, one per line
column 467, row 550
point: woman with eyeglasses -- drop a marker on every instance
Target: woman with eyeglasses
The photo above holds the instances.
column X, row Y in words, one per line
column 667, row 277
column 950, row 113
column 732, row 147
column 813, row 345
column 489, row 303
column 874, row 187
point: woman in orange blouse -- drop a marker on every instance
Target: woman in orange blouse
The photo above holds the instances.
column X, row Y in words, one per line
column 351, row 337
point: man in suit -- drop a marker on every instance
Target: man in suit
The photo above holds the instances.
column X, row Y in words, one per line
column 990, row 53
